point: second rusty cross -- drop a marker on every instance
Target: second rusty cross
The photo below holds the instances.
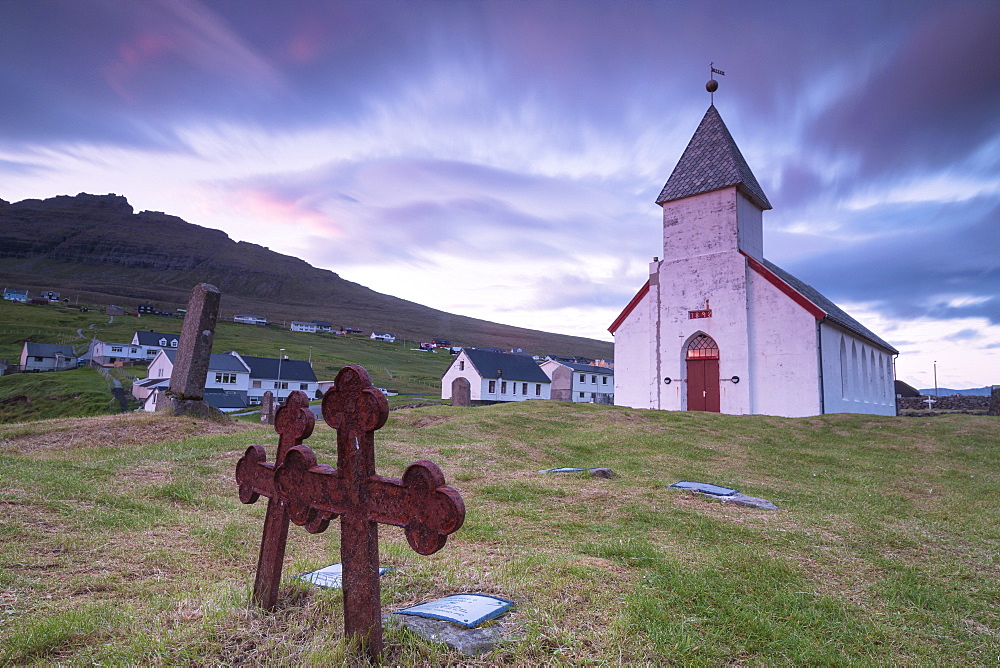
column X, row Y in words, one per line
column 311, row 495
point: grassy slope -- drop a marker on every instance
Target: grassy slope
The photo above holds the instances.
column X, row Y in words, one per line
column 395, row 365
column 124, row 542
column 78, row 392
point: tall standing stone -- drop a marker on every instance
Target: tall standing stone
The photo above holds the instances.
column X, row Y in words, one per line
column 267, row 408
column 461, row 392
column 994, row 408
column 194, row 351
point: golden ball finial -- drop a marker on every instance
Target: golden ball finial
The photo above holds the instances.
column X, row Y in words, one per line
column 712, row 86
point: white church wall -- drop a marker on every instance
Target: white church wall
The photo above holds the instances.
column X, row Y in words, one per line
column 461, row 367
column 633, row 374
column 751, row 227
column 703, row 263
column 857, row 377
column 784, row 367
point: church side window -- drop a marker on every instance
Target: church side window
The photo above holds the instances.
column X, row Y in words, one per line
column 865, row 394
column 876, row 388
column 702, row 347
column 854, row 370
column 843, row 369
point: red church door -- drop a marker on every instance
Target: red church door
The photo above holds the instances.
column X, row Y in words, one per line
column 703, row 375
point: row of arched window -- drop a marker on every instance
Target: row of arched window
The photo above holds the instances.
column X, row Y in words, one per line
column 865, row 374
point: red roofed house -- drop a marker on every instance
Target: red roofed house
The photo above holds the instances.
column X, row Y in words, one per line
column 719, row 328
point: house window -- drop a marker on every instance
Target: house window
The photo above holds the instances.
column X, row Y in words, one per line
column 280, row 386
column 39, row 359
column 524, row 388
column 593, row 379
column 604, row 380
column 256, row 383
column 593, row 395
column 581, row 395
column 461, row 365
column 163, row 342
column 513, row 388
column 493, row 386
column 303, row 386
column 583, row 378
column 503, row 387
column 538, row 389
column 173, row 344
column 225, row 378
column 116, row 349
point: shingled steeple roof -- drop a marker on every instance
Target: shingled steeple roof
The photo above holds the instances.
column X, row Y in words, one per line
column 712, row 160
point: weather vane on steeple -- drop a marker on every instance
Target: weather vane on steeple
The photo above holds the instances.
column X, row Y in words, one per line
column 712, row 84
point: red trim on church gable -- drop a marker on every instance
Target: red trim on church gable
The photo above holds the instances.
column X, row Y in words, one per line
column 794, row 294
column 628, row 309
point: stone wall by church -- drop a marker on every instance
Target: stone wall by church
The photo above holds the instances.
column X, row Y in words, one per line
column 956, row 402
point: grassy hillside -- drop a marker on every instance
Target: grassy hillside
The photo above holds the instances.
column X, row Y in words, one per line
column 392, row 365
column 42, row 396
column 124, row 541
column 95, row 248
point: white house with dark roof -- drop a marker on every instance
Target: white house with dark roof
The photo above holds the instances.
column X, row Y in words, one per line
column 47, row 357
column 279, row 376
column 152, row 342
column 302, row 326
column 580, row 383
column 496, row 376
column 228, row 378
column 719, row 328
column 388, row 337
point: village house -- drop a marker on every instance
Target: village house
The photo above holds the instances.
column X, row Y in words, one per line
column 383, row 336
column 719, row 328
column 15, row 294
column 250, row 319
column 302, row 326
column 496, row 376
column 279, row 376
column 580, row 382
column 106, row 353
column 47, row 357
column 323, row 326
column 228, row 378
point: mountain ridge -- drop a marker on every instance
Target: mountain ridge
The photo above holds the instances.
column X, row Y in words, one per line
column 98, row 247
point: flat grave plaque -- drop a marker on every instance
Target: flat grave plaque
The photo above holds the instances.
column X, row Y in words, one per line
column 468, row 610
column 705, row 488
column 563, row 469
column 332, row 577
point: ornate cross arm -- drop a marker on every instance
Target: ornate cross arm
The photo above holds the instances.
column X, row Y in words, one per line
column 420, row 502
column 426, row 508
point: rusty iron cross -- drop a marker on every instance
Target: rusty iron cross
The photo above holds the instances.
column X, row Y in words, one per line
column 311, row 495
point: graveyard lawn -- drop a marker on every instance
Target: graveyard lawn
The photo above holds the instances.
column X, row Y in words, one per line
column 124, row 542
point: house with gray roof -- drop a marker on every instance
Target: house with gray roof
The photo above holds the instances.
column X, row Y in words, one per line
column 226, row 373
column 496, row 376
column 580, row 383
column 47, row 357
column 719, row 328
column 280, row 376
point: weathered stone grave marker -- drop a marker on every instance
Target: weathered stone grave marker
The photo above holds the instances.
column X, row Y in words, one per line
column 267, row 408
column 311, row 494
column 194, row 352
column 461, row 392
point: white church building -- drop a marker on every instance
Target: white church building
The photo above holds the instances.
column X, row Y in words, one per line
column 719, row 328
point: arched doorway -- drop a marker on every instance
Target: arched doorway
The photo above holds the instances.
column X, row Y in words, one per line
column 702, row 357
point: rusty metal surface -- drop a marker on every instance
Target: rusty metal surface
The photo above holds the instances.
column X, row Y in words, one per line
column 312, row 494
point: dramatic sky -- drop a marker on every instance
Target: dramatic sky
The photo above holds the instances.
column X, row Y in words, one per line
column 501, row 159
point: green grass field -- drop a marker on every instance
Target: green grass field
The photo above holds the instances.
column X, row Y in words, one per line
column 124, row 542
column 391, row 365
